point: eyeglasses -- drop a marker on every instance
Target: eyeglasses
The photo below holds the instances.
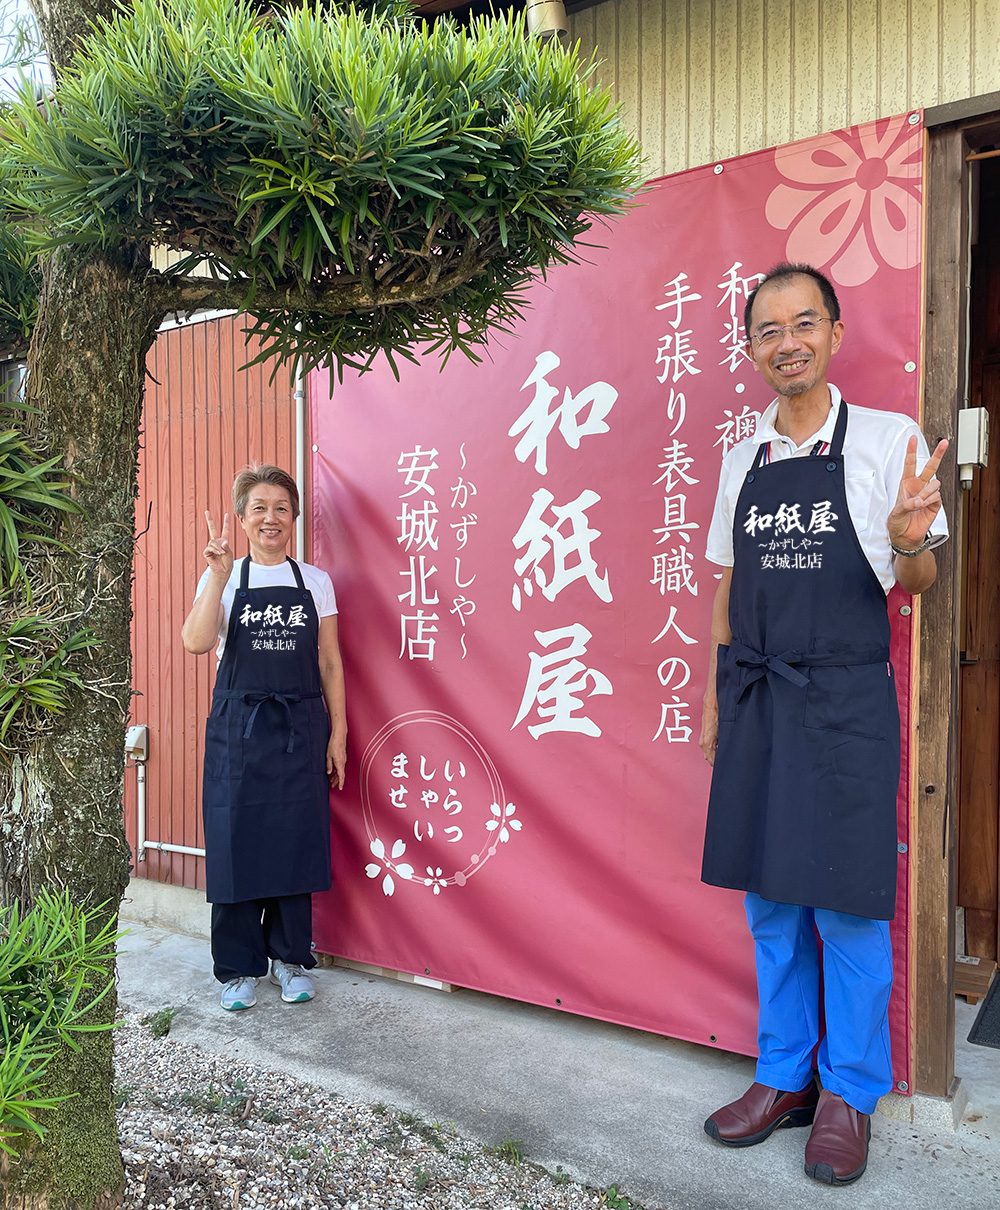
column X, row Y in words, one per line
column 801, row 331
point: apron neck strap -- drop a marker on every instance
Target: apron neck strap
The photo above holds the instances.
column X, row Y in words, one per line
column 836, row 445
column 839, row 431
column 245, row 573
column 296, row 573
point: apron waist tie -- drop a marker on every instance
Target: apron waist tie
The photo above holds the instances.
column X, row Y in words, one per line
column 257, row 698
column 754, row 665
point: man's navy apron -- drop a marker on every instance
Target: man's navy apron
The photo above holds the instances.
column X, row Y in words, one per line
column 266, row 800
column 803, row 802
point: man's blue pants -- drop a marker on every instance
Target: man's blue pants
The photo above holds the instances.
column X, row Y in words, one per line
column 854, row 1056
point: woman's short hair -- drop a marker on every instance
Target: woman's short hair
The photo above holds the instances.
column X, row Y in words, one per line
column 265, row 472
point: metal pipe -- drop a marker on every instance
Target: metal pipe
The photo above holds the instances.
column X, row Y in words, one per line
column 162, row 847
column 301, row 418
column 140, row 845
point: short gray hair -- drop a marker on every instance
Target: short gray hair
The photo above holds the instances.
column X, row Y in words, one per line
column 265, row 472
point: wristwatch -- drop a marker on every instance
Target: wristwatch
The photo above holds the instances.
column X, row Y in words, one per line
column 911, row 554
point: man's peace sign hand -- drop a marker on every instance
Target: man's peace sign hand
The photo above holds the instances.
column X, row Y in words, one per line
column 918, row 501
column 218, row 554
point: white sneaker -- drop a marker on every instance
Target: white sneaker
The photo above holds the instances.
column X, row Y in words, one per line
column 295, row 984
column 240, row 993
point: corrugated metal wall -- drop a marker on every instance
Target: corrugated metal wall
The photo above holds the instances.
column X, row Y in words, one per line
column 703, row 80
column 203, row 420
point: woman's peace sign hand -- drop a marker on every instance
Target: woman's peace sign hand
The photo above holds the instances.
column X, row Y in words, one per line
column 218, row 554
column 918, row 501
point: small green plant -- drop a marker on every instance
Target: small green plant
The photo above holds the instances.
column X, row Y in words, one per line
column 123, row 1095
column 159, row 1022
column 559, row 1177
column 380, row 1108
column 511, row 1150
column 271, row 1116
column 464, row 1158
column 51, row 959
column 422, row 1179
column 211, row 1100
column 618, row 1201
column 31, row 489
column 296, row 1152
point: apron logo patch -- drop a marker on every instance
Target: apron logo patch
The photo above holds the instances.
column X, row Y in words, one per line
column 791, row 553
column 270, row 629
column 787, row 518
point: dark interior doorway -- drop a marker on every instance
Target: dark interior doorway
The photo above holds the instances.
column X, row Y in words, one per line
column 978, row 881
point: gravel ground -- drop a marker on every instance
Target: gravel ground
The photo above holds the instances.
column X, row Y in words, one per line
column 198, row 1131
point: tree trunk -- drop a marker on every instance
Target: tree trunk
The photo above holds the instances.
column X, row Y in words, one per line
column 61, row 816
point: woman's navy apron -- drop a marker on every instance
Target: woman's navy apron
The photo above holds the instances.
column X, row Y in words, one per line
column 266, row 799
column 803, row 802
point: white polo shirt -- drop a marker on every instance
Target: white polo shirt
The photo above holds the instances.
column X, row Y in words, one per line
column 874, row 451
column 279, row 576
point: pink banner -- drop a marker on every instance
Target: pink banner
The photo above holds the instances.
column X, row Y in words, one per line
column 518, row 551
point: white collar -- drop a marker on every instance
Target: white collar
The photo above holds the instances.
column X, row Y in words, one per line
column 766, row 432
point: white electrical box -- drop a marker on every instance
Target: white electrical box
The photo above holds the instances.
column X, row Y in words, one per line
column 972, row 448
column 137, row 742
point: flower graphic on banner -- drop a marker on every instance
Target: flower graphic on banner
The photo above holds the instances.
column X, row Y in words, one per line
column 389, row 864
column 853, row 202
column 503, row 821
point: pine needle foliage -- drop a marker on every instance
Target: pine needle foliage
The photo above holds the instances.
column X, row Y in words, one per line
column 367, row 183
column 51, row 958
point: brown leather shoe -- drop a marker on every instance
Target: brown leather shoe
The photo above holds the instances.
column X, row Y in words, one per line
column 837, row 1151
column 759, row 1112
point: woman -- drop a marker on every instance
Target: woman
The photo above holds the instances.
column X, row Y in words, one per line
column 270, row 750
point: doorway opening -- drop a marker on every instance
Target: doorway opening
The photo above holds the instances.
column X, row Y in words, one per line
column 978, row 822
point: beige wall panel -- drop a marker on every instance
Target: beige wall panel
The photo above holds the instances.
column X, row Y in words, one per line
column 606, row 36
column 806, row 54
column 831, row 83
column 893, row 69
column 956, row 46
column 700, row 115
column 777, row 35
column 751, row 73
column 628, row 73
column 675, row 90
column 718, row 78
column 985, row 46
column 863, row 60
column 651, row 81
column 727, row 97
column 924, row 52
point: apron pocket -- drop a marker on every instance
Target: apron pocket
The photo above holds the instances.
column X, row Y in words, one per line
column 217, row 749
column 852, row 700
column 726, row 684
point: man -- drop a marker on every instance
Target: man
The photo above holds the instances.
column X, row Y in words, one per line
column 817, row 516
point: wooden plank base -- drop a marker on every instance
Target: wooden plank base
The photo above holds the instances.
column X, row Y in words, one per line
column 973, row 977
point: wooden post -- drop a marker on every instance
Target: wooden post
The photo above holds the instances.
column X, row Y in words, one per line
column 935, row 801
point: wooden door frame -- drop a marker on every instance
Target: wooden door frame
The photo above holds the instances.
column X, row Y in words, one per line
column 935, row 787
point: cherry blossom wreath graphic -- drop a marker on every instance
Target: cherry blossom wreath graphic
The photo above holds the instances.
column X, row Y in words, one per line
column 496, row 818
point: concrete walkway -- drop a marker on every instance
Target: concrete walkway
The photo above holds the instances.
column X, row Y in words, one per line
column 611, row 1105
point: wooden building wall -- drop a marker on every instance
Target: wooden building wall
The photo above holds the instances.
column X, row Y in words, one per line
column 704, row 80
column 203, row 420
